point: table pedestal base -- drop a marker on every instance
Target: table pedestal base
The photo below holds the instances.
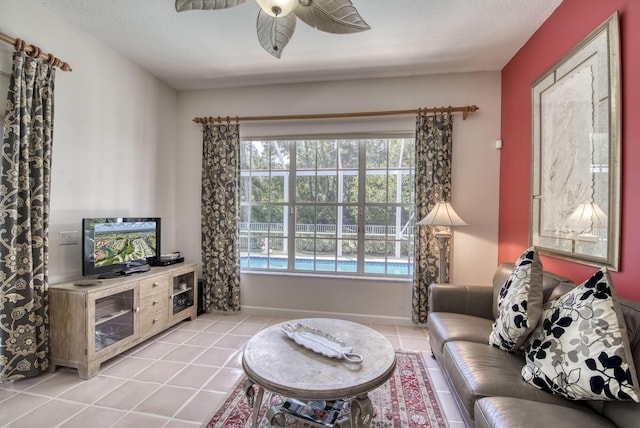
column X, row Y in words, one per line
column 359, row 415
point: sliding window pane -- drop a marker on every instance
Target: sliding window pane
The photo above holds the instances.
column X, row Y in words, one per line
column 376, row 186
column 374, row 250
column 306, row 155
column 245, row 155
column 349, row 154
column 326, row 255
column 394, row 186
column 305, row 250
column 349, row 249
column 408, row 186
column 305, row 220
column 327, row 155
column 327, row 188
column 326, row 221
column 349, row 217
column 280, row 155
column 376, row 154
column 260, row 188
column 245, row 188
column 349, row 192
column 305, row 188
column 279, row 187
column 375, row 222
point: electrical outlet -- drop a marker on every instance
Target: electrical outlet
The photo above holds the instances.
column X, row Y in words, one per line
column 69, row 237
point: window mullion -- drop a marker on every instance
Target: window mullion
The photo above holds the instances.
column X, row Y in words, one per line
column 362, row 188
column 291, row 212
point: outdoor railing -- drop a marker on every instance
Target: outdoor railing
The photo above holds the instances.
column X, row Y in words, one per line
column 323, row 228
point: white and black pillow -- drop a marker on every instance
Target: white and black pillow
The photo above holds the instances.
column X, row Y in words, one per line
column 580, row 350
column 519, row 303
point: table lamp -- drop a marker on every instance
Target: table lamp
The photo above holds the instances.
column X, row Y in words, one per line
column 442, row 214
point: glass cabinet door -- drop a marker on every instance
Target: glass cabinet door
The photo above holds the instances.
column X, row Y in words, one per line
column 183, row 292
column 114, row 318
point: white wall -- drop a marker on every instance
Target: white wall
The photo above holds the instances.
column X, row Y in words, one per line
column 475, row 178
column 114, row 132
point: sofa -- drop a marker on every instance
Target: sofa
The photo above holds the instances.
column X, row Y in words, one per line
column 487, row 383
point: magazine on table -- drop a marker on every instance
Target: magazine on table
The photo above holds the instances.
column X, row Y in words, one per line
column 323, row 413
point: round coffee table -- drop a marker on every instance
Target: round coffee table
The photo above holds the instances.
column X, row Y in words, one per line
column 278, row 364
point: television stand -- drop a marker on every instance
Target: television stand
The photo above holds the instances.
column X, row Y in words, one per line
column 90, row 325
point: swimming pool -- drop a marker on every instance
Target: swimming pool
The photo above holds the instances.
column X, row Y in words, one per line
column 346, row 266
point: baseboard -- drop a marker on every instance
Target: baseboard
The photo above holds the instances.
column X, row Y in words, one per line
column 294, row 313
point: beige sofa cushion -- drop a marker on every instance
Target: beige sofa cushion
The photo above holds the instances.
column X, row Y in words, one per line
column 447, row 326
column 477, row 370
column 506, row 412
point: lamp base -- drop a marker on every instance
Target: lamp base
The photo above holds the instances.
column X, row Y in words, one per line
column 442, row 245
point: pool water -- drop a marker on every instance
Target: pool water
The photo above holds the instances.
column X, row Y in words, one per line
column 347, row 266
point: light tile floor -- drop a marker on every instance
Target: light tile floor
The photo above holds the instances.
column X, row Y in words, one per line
column 173, row 380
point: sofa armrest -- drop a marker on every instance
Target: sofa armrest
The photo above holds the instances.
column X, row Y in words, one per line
column 476, row 300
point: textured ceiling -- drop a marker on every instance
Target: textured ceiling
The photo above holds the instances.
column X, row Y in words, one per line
column 212, row 49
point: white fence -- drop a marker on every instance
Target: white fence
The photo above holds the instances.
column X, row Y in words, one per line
column 347, row 229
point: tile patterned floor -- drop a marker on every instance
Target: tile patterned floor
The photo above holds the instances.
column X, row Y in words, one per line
column 173, row 380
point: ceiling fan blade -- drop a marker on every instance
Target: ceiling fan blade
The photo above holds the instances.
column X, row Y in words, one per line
column 274, row 33
column 331, row 16
column 182, row 5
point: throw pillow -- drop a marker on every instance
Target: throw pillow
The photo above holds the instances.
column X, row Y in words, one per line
column 581, row 350
column 519, row 303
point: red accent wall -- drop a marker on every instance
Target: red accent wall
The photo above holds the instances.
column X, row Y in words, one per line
column 566, row 27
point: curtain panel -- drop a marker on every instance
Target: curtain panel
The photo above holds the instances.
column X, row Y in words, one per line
column 25, row 176
column 433, row 184
column 219, row 216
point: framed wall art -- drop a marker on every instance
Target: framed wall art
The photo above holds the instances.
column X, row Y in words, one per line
column 575, row 158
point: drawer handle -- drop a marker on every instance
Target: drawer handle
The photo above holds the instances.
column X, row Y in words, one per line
column 155, row 302
column 136, row 309
column 155, row 320
column 155, row 284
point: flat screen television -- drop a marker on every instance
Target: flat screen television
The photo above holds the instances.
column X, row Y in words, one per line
column 119, row 245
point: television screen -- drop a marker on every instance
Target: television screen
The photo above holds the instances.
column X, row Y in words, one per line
column 115, row 245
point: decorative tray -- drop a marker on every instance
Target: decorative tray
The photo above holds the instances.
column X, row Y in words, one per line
column 320, row 342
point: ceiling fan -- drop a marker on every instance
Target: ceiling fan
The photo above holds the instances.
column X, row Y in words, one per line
column 276, row 23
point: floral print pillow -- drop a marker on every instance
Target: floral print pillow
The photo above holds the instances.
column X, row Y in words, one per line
column 519, row 303
column 581, row 350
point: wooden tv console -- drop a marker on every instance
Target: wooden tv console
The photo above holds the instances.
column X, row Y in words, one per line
column 90, row 324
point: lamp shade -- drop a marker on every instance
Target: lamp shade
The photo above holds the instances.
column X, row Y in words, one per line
column 442, row 214
column 278, row 8
column 587, row 216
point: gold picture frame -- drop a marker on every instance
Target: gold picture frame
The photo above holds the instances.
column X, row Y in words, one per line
column 575, row 152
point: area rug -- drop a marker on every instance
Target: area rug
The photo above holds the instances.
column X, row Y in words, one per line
column 407, row 399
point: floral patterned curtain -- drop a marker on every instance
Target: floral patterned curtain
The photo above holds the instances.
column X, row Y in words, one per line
column 433, row 184
column 220, row 213
column 25, row 176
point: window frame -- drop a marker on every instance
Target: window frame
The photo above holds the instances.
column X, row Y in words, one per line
column 290, row 206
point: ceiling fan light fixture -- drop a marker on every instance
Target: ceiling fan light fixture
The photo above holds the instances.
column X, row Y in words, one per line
column 278, row 8
column 275, row 24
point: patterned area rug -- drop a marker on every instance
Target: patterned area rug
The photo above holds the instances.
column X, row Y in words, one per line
column 406, row 400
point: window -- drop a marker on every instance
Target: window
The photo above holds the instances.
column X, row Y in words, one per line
column 328, row 205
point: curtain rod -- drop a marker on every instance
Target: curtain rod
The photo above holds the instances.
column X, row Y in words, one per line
column 34, row 51
column 465, row 110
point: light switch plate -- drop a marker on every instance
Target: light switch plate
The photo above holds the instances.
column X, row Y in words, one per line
column 69, row 237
